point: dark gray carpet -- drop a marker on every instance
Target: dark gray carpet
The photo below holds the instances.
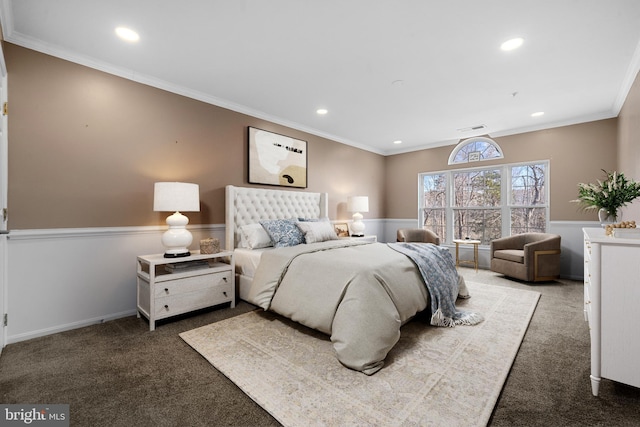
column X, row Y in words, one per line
column 120, row 374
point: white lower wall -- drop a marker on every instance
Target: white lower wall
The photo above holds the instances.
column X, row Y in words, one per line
column 64, row 279
column 571, row 259
column 3, row 288
column 572, row 256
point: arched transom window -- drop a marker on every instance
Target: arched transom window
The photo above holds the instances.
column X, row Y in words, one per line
column 474, row 150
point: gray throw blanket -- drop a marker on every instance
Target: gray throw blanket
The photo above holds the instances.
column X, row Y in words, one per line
column 441, row 278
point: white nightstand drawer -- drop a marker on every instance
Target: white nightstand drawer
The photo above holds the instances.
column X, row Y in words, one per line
column 189, row 301
column 190, row 284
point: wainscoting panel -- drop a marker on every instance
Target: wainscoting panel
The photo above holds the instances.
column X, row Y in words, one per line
column 63, row 279
column 571, row 259
column 3, row 288
column 68, row 278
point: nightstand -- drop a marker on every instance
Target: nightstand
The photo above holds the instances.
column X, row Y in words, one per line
column 172, row 286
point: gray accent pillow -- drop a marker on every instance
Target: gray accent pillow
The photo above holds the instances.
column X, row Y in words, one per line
column 317, row 231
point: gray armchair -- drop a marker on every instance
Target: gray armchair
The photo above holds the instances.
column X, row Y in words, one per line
column 418, row 235
column 532, row 257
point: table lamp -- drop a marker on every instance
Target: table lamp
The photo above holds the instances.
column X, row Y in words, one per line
column 357, row 204
column 176, row 197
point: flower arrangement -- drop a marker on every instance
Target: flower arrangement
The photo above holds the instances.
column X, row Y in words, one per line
column 611, row 194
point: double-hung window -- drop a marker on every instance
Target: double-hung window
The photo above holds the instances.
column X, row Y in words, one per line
column 485, row 203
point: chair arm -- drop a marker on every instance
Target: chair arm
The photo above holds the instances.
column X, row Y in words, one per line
column 432, row 237
column 550, row 245
column 536, row 265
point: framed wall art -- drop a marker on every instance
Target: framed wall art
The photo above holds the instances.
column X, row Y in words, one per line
column 342, row 229
column 276, row 159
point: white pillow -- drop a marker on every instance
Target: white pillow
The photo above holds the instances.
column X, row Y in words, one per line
column 317, row 231
column 254, row 236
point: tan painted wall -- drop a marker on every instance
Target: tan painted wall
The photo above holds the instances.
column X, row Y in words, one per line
column 576, row 153
column 629, row 144
column 85, row 148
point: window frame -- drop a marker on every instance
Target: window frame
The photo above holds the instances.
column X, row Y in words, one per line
column 478, row 158
column 506, row 205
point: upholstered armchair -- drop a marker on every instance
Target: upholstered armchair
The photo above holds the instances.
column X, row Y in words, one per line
column 417, row 235
column 532, row 257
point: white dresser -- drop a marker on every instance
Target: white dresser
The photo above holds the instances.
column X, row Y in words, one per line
column 611, row 306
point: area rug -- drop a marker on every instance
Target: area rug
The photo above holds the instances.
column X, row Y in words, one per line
column 432, row 377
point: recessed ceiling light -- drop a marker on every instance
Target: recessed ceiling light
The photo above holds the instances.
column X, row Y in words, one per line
column 322, row 111
column 538, row 114
column 512, row 44
column 397, row 141
column 127, row 34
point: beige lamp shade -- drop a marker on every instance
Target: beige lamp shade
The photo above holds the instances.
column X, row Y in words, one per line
column 358, row 204
column 176, row 196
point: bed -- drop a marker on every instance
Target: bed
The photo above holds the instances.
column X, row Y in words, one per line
column 359, row 293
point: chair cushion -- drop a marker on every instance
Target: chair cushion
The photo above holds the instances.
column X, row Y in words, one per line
column 514, row 255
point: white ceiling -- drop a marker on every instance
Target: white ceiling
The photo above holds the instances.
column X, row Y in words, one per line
column 282, row 59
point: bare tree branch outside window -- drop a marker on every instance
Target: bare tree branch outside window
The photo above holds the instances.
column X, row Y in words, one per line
column 476, row 207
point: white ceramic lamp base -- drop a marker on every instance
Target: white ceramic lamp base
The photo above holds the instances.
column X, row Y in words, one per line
column 357, row 227
column 177, row 238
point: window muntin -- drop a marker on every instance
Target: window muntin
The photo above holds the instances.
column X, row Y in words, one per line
column 486, row 203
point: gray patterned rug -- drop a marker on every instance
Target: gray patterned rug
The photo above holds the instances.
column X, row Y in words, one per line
column 433, row 376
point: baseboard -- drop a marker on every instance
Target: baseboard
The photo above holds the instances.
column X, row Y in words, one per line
column 70, row 326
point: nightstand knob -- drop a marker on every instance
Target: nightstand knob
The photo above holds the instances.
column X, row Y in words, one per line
column 224, row 278
column 166, row 307
column 225, row 294
column 166, row 290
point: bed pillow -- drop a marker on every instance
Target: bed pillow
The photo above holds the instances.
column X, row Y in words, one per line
column 317, row 231
column 254, row 236
column 283, row 232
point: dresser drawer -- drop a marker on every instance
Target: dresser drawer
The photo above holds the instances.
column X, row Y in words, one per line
column 191, row 284
column 184, row 302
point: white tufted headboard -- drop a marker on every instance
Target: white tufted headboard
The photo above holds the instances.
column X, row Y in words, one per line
column 245, row 205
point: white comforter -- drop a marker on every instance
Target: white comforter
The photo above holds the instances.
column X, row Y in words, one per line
column 361, row 303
